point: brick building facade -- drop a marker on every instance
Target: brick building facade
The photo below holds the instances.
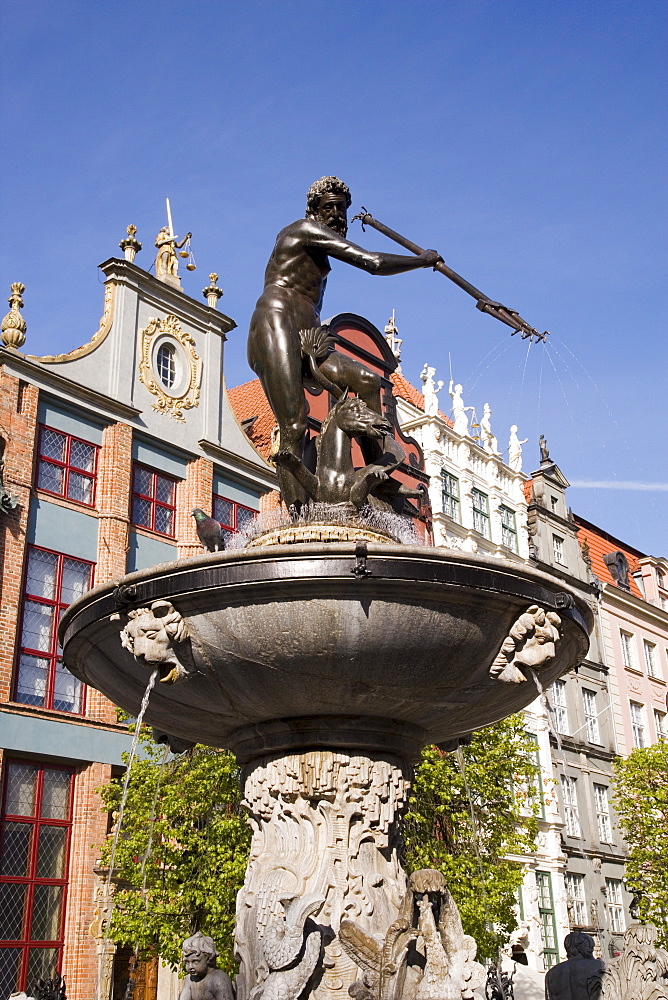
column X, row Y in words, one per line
column 108, row 448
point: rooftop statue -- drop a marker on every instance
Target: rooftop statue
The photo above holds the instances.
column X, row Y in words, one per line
column 489, row 441
column 294, row 287
column 461, row 421
column 515, row 450
column 430, row 390
column 166, row 262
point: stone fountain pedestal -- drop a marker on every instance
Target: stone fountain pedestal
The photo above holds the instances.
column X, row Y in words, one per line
column 326, row 667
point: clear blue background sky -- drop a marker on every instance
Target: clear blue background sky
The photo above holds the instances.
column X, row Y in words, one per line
column 523, row 140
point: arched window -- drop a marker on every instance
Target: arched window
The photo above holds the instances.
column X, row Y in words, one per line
column 166, row 365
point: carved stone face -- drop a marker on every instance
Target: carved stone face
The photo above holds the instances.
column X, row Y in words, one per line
column 151, row 641
column 333, row 212
column 154, row 636
column 196, row 964
column 541, row 645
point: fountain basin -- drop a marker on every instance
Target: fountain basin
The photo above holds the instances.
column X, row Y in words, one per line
column 380, row 648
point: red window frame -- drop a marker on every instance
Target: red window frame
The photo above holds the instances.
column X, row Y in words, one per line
column 152, row 499
column 36, row 821
column 53, row 654
column 66, row 465
column 230, row 528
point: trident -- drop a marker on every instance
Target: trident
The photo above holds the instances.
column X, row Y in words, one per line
column 508, row 316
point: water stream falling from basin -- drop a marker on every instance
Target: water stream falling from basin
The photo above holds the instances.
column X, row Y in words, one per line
column 545, row 702
column 107, row 899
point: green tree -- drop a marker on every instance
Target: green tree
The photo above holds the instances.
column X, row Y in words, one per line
column 184, row 816
column 189, row 808
column 469, row 811
column 641, row 800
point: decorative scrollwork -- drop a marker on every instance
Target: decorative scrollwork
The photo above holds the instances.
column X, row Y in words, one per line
column 188, row 392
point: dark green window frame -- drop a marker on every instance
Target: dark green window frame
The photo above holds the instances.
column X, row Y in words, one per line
column 548, row 922
column 508, row 528
column 480, row 502
column 450, row 495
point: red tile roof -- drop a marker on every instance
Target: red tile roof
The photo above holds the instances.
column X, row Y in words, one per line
column 526, row 486
column 247, row 401
column 403, row 388
column 600, row 544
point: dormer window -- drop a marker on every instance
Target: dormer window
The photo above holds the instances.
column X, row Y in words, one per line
column 165, row 362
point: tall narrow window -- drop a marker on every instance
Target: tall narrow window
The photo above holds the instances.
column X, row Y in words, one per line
column 577, row 901
column 559, row 707
column 153, row 500
column 508, row 528
column 638, row 725
column 66, row 466
column 650, row 658
column 591, row 716
column 53, row 581
column 602, row 813
column 480, row 512
column 628, row 657
column 536, row 796
column 548, row 926
column 615, row 905
column 231, row 515
column 571, row 815
column 660, row 725
column 165, row 362
column 558, row 549
column 35, row 828
column 450, row 494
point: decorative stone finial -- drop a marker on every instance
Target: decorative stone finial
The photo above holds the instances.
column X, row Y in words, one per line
column 394, row 342
column 130, row 245
column 212, row 292
column 13, row 325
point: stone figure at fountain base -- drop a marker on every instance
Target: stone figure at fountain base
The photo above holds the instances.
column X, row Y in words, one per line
column 326, row 902
column 203, row 981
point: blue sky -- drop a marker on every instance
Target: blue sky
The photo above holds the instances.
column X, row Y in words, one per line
column 524, row 140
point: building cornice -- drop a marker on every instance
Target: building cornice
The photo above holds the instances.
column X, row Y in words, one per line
column 620, row 598
column 59, row 385
column 165, row 297
column 578, row 746
column 565, row 575
column 243, row 466
column 550, row 515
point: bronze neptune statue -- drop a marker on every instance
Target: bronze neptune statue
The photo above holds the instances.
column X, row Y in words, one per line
column 294, row 287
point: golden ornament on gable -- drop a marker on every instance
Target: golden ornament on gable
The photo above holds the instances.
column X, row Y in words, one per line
column 185, row 391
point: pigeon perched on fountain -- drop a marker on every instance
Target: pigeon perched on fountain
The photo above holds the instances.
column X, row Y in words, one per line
column 208, row 531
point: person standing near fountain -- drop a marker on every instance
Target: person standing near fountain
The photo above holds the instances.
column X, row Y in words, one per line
column 579, row 977
column 294, row 287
